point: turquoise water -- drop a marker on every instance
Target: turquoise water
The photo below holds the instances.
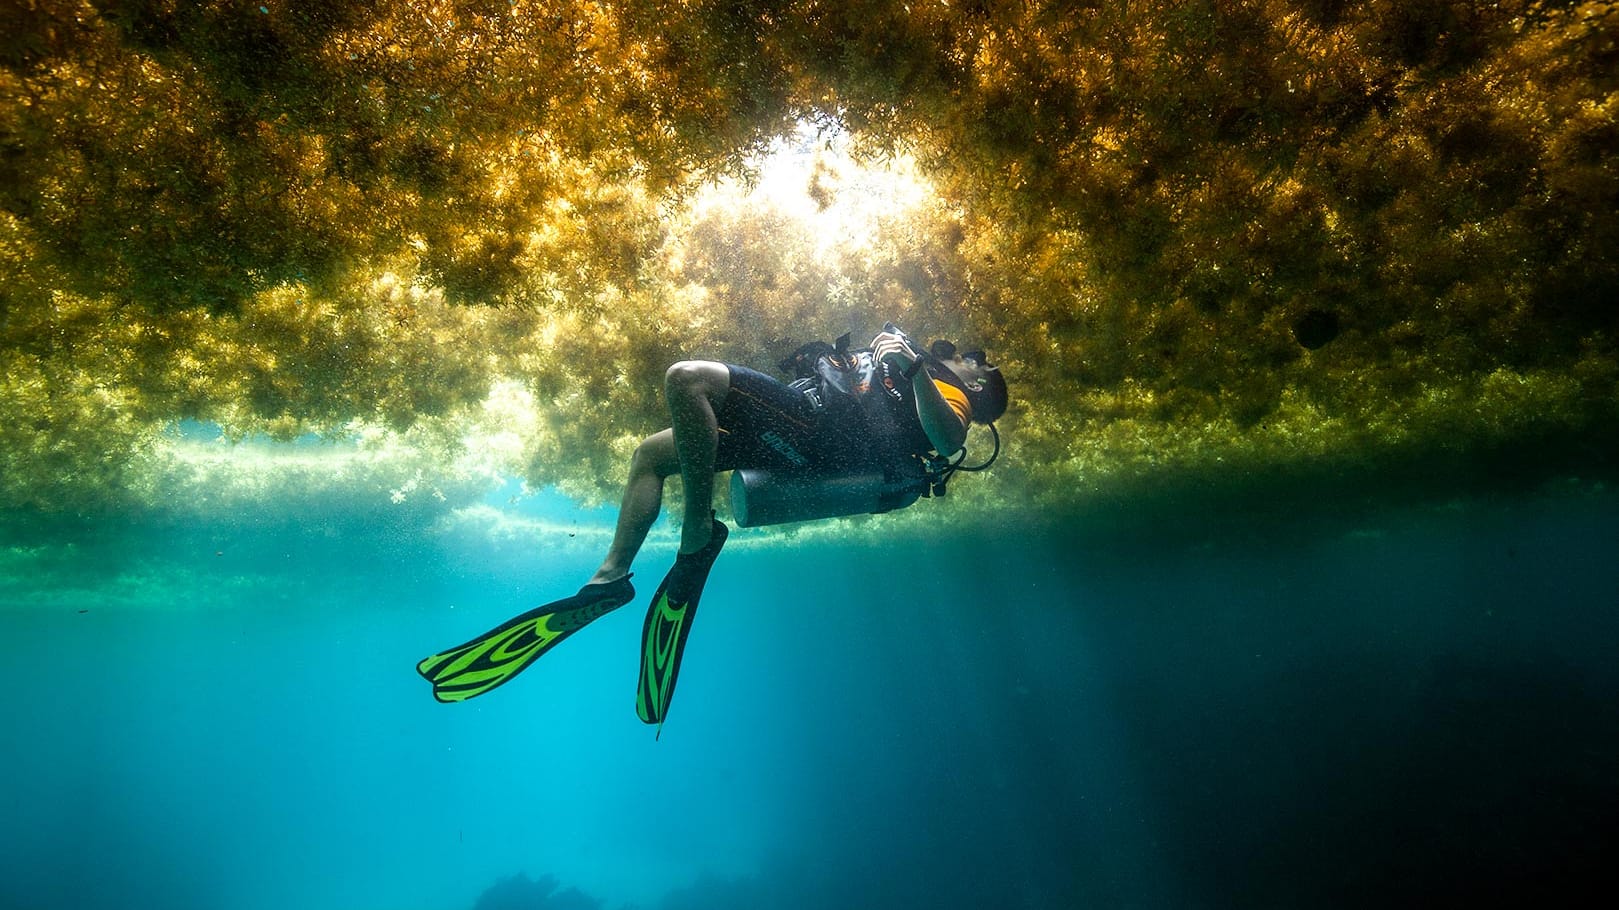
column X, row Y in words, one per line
column 224, row 714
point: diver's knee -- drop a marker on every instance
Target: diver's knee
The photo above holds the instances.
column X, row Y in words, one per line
column 655, row 456
column 703, row 377
column 645, row 455
column 683, row 375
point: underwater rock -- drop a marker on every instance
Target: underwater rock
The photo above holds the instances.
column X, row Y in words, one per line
column 519, row 892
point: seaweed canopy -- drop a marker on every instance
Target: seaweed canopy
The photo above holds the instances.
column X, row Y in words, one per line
column 1288, row 236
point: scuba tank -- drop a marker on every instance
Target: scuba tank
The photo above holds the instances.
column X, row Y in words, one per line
column 760, row 496
column 766, row 497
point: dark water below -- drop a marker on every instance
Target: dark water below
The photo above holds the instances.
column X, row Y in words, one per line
column 1423, row 712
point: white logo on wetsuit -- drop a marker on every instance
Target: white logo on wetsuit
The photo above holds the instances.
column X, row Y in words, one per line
column 783, row 447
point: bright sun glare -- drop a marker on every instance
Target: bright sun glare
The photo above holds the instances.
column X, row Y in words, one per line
column 814, row 177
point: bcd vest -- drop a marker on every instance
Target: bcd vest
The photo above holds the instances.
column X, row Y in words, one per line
column 853, row 393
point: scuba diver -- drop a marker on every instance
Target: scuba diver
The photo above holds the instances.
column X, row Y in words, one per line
column 857, row 431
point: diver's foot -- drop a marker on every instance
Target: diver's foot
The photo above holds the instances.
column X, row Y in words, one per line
column 690, row 546
column 604, row 594
column 695, row 536
column 605, row 576
column 691, row 569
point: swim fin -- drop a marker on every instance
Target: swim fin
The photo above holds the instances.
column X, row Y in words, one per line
column 668, row 622
column 496, row 656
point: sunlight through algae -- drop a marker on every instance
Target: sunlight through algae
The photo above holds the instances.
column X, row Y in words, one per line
column 814, row 177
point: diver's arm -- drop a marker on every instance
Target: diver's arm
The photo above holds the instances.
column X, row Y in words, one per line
column 939, row 420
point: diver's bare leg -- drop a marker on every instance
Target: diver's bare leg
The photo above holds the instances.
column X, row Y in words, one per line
column 655, row 459
column 694, row 390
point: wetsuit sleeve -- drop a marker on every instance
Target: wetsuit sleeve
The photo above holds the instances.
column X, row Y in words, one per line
column 957, row 400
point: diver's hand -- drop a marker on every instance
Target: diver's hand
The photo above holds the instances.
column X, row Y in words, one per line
column 891, row 348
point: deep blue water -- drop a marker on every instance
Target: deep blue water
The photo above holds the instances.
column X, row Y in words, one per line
column 1422, row 711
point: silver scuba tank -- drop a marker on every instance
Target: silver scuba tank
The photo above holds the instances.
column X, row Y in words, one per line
column 767, row 497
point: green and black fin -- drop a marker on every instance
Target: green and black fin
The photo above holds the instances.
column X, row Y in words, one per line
column 469, row 670
column 668, row 622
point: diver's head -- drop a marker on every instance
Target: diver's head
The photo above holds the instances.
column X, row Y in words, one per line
column 982, row 380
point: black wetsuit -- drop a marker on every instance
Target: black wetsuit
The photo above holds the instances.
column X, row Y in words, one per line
column 765, row 423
